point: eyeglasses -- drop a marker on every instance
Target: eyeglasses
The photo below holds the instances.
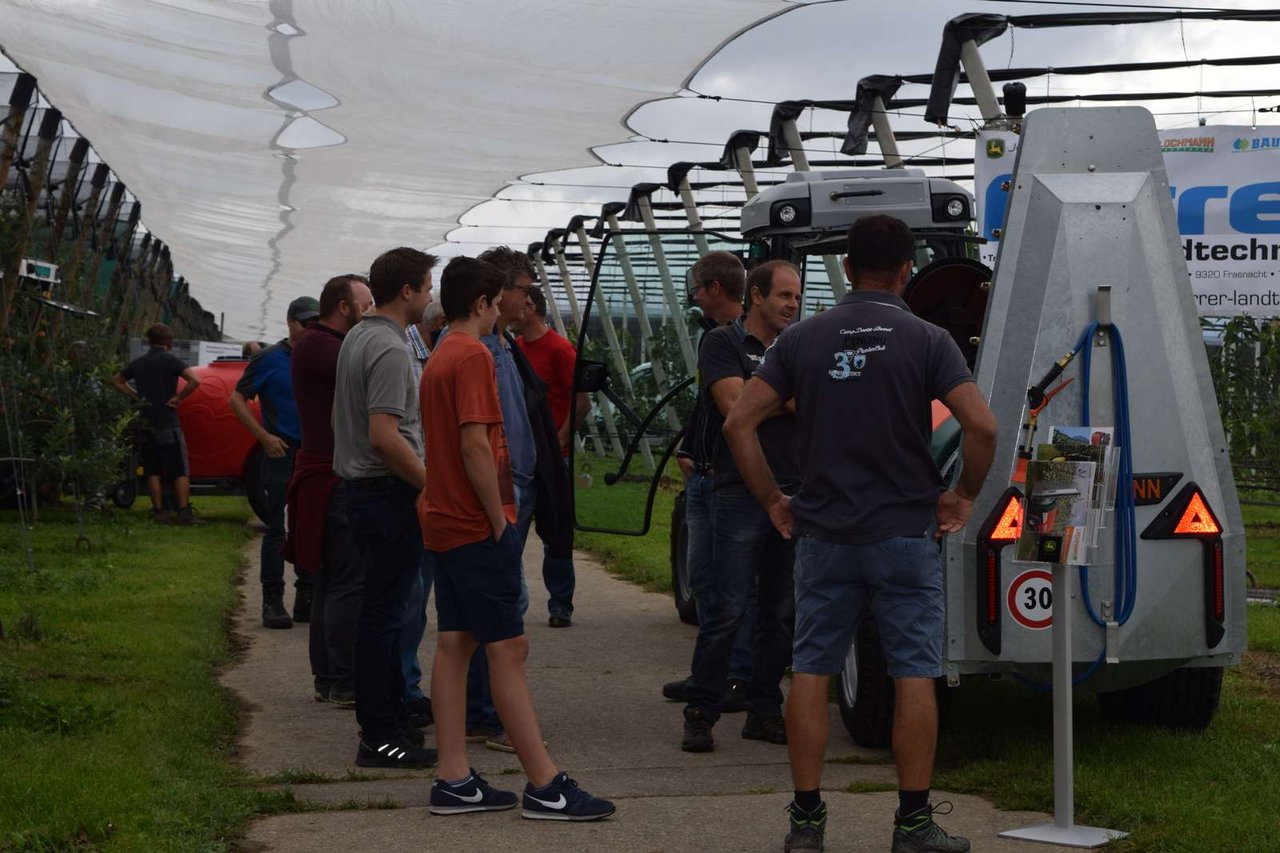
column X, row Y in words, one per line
column 523, row 288
column 693, row 291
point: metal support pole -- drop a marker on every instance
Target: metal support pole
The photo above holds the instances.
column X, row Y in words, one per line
column 106, row 232
column 884, row 135
column 748, row 172
column 75, row 165
column 567, row 280
column 980, row 82
column 610, row 334
column 1063, row 831
column 552, row 306
column 88, row 224
column 799, row 160
column 49, row 127
column 691, row 213
column 668, row 286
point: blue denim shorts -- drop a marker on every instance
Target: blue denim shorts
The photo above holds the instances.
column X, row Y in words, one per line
column 479, row 588
column 900, row 579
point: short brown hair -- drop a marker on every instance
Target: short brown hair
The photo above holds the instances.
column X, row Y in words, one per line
column 761, row 277
column 464, row 281
column 723, row 268
column 512, row 263
column 337, row 291
column 396, row 268
column 160, row 336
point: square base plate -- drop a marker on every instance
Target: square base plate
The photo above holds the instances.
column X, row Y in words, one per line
column 1066, row 836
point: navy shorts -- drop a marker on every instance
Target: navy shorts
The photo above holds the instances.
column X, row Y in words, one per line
column 478, row 588
column 900, row 579
column 163, row 450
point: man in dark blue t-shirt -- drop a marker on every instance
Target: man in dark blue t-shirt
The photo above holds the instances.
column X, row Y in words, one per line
column 268, row 378
column 160, row 442
column 863, row 376
column 747, row 552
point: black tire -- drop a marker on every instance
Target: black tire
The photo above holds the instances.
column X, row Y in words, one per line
column 124, row 493
column 253, row 487
column 681, row 589
column 1184, row 699
column 865, row 691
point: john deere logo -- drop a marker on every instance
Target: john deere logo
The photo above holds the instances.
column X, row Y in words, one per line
column 995, row 148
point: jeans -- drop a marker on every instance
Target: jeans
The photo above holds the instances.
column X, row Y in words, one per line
column 480, row 710
column 276, row 472
column 384, row 519
column 697, row 519
column 415, row 625
column 335, row 608
column 557, row 572
column 746, row 546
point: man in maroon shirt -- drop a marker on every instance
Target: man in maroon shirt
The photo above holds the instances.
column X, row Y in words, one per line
column 320, row 538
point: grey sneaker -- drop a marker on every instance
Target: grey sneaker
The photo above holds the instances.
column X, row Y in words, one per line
column 808, row 829
column 917, row 833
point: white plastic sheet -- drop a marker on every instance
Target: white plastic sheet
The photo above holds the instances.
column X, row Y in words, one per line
column 274, row 144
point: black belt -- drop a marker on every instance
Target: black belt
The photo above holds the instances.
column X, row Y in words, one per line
column 376, row 482
column 702, row 467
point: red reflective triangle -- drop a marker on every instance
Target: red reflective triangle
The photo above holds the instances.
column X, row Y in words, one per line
column 1197, row 519
column 1009, row 527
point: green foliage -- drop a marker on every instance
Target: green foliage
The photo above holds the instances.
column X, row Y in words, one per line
column 59, row 409
column 1246, row 374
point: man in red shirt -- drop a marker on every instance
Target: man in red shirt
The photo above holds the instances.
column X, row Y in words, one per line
column 553, row 360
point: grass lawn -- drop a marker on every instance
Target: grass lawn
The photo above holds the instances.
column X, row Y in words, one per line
column 114, row 731
column 1172, row 791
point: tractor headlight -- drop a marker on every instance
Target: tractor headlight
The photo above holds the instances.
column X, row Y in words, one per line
column 950, row 208
column 790, row 213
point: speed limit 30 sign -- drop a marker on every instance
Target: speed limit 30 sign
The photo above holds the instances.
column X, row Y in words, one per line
column 1031, row 599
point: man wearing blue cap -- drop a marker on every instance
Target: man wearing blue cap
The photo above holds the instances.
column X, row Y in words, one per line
column 268, row 378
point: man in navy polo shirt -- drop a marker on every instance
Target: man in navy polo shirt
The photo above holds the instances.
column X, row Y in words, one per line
column 871, row 507
column 267, row 378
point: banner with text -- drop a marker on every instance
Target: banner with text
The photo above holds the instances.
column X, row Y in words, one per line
column 1225, row 183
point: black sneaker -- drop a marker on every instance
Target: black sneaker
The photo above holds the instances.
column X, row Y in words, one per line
column 772, row 728
column 472, row 795
column 563, row 800
column 808, row 829
column 394, row 752
column 734, row 700
column 345, row 699
column 677, row 691
column 420, row 714
column 414, row 736
column 302, row 603
column 559, row 620
column 697, row 732
column 273, row 613
column 917, row 833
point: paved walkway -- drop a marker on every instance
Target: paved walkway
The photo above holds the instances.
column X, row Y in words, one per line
column 596, row 686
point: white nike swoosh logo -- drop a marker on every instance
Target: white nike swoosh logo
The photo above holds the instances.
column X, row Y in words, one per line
column 559, row 803
column 469, row 798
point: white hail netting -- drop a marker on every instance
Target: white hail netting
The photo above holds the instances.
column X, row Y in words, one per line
column 274, row 144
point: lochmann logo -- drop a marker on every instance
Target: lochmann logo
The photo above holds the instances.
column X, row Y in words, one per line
column 1194, row 144
column 1257, row 143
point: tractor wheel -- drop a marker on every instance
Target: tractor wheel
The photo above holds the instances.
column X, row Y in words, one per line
column 865, row 690
column 681, row 588
column 1186, row 698
column 125, row 492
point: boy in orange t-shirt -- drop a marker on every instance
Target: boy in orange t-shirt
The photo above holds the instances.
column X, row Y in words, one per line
column 468, row 515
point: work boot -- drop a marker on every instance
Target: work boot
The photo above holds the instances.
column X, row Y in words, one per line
column 302, row 603
column 187, row 518
column 273, row 613
column 917, row 833
column 697, row 732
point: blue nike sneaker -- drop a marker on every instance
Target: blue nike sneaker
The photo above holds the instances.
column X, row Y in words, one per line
column 563, row 800
column 472, row 794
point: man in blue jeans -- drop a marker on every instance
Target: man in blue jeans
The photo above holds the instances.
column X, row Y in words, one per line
column 279, row 433
column 377, row 452
column 747, row 552
column 863, row 376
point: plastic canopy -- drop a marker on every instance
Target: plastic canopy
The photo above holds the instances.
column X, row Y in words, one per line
column 274, row 144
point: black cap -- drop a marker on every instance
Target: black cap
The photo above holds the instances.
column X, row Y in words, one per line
column 303, row 308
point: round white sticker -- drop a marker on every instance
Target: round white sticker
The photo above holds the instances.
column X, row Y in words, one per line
column 1031, row 599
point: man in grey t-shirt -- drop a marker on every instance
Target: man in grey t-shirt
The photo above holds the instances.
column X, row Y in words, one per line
column 863, row 376
column 377, row 451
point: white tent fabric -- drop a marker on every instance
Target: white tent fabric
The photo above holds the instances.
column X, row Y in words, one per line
column 275, row 144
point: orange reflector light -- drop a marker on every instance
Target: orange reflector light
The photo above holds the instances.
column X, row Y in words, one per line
column 1196, row 519
column 1009, row 527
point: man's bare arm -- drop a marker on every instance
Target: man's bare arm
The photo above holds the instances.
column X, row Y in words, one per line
column 757, row 402
column 193, row 382
column 977, row 449
column 272, row 445
column 477, row 459
column 394, row 450
column 122, row 385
